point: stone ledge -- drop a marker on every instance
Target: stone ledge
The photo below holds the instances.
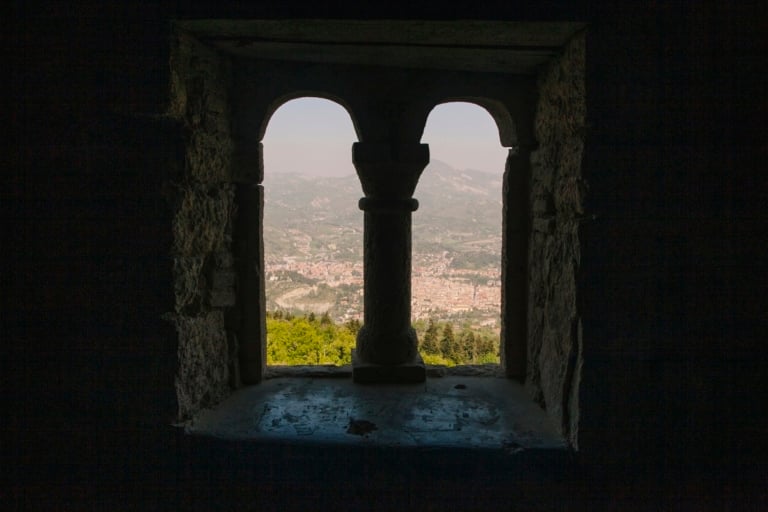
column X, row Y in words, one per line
column 308, row 371
column 452, row 412
column 367, row 373
column 436, row 371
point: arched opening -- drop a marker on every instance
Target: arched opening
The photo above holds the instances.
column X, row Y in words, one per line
column 312, row 234
column 457, row 237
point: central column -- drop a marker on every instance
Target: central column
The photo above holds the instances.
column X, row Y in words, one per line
column 387, row 348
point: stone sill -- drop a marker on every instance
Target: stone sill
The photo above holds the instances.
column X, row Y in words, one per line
column 449, row 411
column 345, row 371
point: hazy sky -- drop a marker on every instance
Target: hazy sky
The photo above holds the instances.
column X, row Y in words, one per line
column 315, row 136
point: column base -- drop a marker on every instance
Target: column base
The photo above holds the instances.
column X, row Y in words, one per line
column 412, row 372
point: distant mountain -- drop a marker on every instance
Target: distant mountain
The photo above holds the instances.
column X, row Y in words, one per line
column 459, row 211
column 456, row 206
column 290, row 200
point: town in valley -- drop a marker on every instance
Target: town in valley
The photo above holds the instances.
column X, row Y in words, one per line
column 313, row 246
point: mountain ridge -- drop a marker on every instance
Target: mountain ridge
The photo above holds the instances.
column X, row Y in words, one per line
column 313, row 240
column 454, row 205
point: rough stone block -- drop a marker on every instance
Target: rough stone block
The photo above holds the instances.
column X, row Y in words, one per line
column 544, row 225
column 202, row 379
column 202, row 219
column 224, row 259
column 223, row 279
column 187, row 285
column 541, row 205
column 223, row 298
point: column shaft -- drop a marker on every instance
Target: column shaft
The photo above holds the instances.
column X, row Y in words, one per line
column 252, row 333
column 387, row 344
column 248, row 246
column 514, row 268
column 387, row 336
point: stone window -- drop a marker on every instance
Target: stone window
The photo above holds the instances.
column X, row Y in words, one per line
column 458, row 225
column 227, row 77
column 311, row 219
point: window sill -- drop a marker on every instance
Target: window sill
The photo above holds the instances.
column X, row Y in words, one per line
column 331, row 371
column 452, row 411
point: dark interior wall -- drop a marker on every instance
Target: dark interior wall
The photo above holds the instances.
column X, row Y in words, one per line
column 86, row 238
column 85, row 255
column 673, row 264
column 670, row 283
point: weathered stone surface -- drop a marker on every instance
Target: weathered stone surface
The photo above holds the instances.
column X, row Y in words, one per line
column 223, row 279
column 313, row 371
column 188, row 285
column 224, row 259
column 222, row 292
column 412, row 371
column 203, row 199
column 209, row 154
column 199, row 83
column 222, row 298
column 557, row 193
column 541, row 206
column 202, row 223
column 203, row 376
column 387, row 337
column 544, row 225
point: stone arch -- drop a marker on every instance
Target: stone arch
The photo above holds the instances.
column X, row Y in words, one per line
column 495, row 108
column 281, row 100
column 309, row 119
column 514, row 232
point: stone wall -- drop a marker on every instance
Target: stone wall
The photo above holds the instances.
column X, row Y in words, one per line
column 671, row 278
column 203, row 200
column 554, row 331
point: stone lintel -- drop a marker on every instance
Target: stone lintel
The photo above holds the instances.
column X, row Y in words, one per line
column 368, row 373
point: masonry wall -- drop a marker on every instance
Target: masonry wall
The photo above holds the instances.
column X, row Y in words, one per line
column 670, row 278
column 203, row 200
column 556, row 198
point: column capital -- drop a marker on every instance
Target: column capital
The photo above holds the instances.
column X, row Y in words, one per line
column 389, row 170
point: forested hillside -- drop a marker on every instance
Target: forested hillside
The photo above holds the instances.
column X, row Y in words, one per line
column 313, row 340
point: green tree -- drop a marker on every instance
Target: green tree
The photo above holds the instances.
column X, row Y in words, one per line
column 340, row 352
column 278, row 340
column 466, row 345
column 448, row 342
column 429, row 343
column 305, row 344
column 300, row 341
column 486, row 347
column 353, row 326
